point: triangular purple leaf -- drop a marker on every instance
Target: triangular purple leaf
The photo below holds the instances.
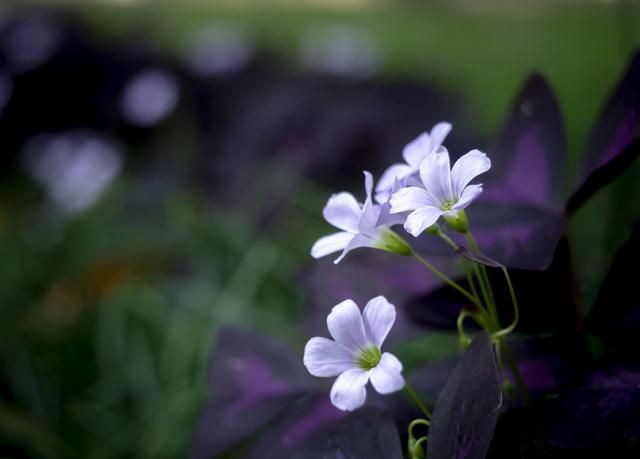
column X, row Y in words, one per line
column 615, row 315
column 518, row 218
column 249, row 374
column 314, row 429
column 529, row 158
column 466, row 412
column 607, row 153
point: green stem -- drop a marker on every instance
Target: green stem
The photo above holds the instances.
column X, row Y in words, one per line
column 447, row 280
column 448, row 240
column 463, row 315
column 483, row 279
column 416, row 422
column 469, row 272
column 516, row 309
column 416, row 399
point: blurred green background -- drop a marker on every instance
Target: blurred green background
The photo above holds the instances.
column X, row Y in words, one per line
column 107, row 319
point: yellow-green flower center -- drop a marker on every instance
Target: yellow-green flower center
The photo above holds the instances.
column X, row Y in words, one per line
column 368, row 357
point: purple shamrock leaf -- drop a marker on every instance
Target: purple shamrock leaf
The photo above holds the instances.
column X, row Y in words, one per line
column 249, row 374
column 313, row 428
column 519, row 218
column 466, row 412
column 613, row 143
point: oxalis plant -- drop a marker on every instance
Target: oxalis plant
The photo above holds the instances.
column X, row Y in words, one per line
column 539, row 376
column 428, row 197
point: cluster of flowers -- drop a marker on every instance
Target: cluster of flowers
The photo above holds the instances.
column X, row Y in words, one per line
column 416, row 194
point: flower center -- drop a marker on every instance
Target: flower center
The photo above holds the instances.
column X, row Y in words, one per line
column 368, row 357
column 447, row 205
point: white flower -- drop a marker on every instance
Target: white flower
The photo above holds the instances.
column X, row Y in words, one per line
column 444, row 191
column 355, row 354
column 414, row 153
column 362, row 225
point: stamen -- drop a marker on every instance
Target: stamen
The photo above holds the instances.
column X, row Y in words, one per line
column 368, row 358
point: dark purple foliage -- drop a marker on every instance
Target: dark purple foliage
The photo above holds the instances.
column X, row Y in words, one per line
column 588, row 417
column 519, row 217
column 466, row 412
column 611, row 146
column 615, row 316
column 253, row 379
column 315, row 429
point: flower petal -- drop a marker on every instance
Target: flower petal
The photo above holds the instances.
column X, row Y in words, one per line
column 436, row 175
column 417, row 150
column 411, row 198
column 421, row 219
column 438, row 133
column 324, row 357
column 348, row 392
column 378, row 316
column 343, row 211
column 468, row 167
column 356, row 242
column 385, row 184
column 346, row 326
column 468, row 195
column 370, row 212
column 331, row 243
column 386, row 377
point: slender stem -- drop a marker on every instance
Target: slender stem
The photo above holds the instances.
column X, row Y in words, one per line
column 516, row 309
column 416, row 399
column 448, row 240
column 483, row 279
column 463, row 315
column 469, row 272
column 420, row 441
column 522, row 388
column 416, row 422
column 448, row 280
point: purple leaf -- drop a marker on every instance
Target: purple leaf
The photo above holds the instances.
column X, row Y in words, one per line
column 518, row 218
column 609, row 148
column 615, row 315
column 466, row 412
column 588, row 417
column 249, row 374
column 314, row 429
column 528, row 160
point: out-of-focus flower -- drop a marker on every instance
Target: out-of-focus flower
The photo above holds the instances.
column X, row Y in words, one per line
column 74, row 167
column 355, row 355
column 445, row 191
column 414, row 153
column 149, row 97
column 362, row 225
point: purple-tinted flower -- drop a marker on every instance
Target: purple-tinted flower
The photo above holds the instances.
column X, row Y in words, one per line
column 355, row 355
column 413, row 153
column 443, row 192
column 362, row 225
